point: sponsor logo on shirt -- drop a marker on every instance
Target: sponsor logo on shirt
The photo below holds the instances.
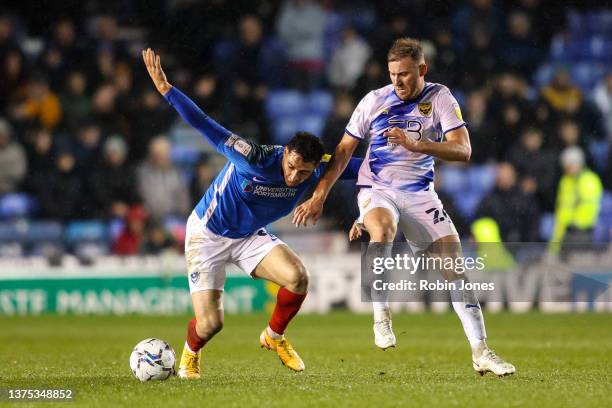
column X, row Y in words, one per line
column 268, row 191
column 458, row 113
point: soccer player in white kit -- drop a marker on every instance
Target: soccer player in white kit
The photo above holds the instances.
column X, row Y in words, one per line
column 408, row 123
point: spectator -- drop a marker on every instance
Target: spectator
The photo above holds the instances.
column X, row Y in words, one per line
column 113, row 183
column 374, row 77
column 443, row 62
column 152, row 117
column 603, row 100
column 301, row 24
column 39, row 149
column 336, row 123
column 479, row 59
column 60, row 192
column 87, row 148
column 62, row 53
column 535, row 164
column 13, row 164
column 157, row 239
column 578, row 202
column 130, row 241
column 475, row 13
column 13, row 74
column 569, row 135
column 484, row 138
column 348, row 59
column 514, row 210
column 203, row 176
column 160, row 184
column 41, row 104
column 76, row 105
column 247, row 71
column 104, row 110
column 561, row 94
column 520, row 51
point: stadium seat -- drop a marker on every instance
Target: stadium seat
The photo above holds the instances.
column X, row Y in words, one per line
column 16, row 205
column 467, row 203
column 285, row 103
column 320, row 102
column 481, row 179
column 44, row 231
column 11, row 232
column 312, row 123
column 283, row 128
column 44, row 238
column 115, row 227
column 184, row 155
column 547, row 223
column 85, row 231
column 453, row 179
column 599, row 152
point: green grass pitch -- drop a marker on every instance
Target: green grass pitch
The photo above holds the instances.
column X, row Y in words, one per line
column 562, row 360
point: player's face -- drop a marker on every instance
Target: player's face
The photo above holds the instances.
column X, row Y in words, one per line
column 295, row 169
column 408, row 77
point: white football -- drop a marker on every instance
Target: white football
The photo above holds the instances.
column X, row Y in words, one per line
column 152, row 359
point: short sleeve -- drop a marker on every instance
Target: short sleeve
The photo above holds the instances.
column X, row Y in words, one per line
column 449, row 112
column 359, row 124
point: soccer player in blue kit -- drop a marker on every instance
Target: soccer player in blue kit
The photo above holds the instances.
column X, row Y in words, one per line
column 257, row 186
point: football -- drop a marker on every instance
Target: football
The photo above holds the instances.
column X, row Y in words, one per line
column 152, row 359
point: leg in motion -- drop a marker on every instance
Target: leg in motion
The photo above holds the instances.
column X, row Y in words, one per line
column 208, row 321
column 468, row 309
column 283, row 267
column 382, row 227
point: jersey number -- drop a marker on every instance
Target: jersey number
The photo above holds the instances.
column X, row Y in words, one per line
column 436, row 214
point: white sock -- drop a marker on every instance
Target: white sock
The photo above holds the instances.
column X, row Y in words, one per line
column 274, row 334
column 189, row 348
column 467, row 307
column 381, row 311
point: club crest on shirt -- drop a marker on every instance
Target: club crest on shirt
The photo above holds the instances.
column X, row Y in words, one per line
column 195, row 276
column 425, row 108
column 231, row 140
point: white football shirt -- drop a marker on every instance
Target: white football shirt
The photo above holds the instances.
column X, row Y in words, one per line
column 429, row 116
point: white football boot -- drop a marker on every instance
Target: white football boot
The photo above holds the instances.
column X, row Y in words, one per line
column 383, row 331
column 485, row 360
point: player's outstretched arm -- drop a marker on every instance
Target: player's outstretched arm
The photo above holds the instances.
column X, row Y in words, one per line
column 213, row 132
column 313, row 207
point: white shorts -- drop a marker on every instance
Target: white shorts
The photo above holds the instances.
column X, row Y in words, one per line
column 207, row 254
column 419, row 215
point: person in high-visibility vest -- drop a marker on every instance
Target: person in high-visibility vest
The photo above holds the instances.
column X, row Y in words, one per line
column 578, row 199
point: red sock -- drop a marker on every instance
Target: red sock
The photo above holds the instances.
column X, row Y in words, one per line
column 287, row 305
column 194, row 341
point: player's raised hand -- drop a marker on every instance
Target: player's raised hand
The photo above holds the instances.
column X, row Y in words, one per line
column 311, row 208
column 153, row 64
column 355, row 231
column 400, row 137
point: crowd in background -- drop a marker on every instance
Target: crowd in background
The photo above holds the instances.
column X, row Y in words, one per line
column 84, row 133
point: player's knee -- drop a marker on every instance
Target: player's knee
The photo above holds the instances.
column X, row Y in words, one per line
column 383, row 232
column 298, row 280
column 209, row 326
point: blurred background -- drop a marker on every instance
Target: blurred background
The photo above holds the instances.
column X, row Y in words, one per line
column 98, row 173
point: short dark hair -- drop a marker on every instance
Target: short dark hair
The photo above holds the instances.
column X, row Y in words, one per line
column 306, row 145
column 405, row 47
